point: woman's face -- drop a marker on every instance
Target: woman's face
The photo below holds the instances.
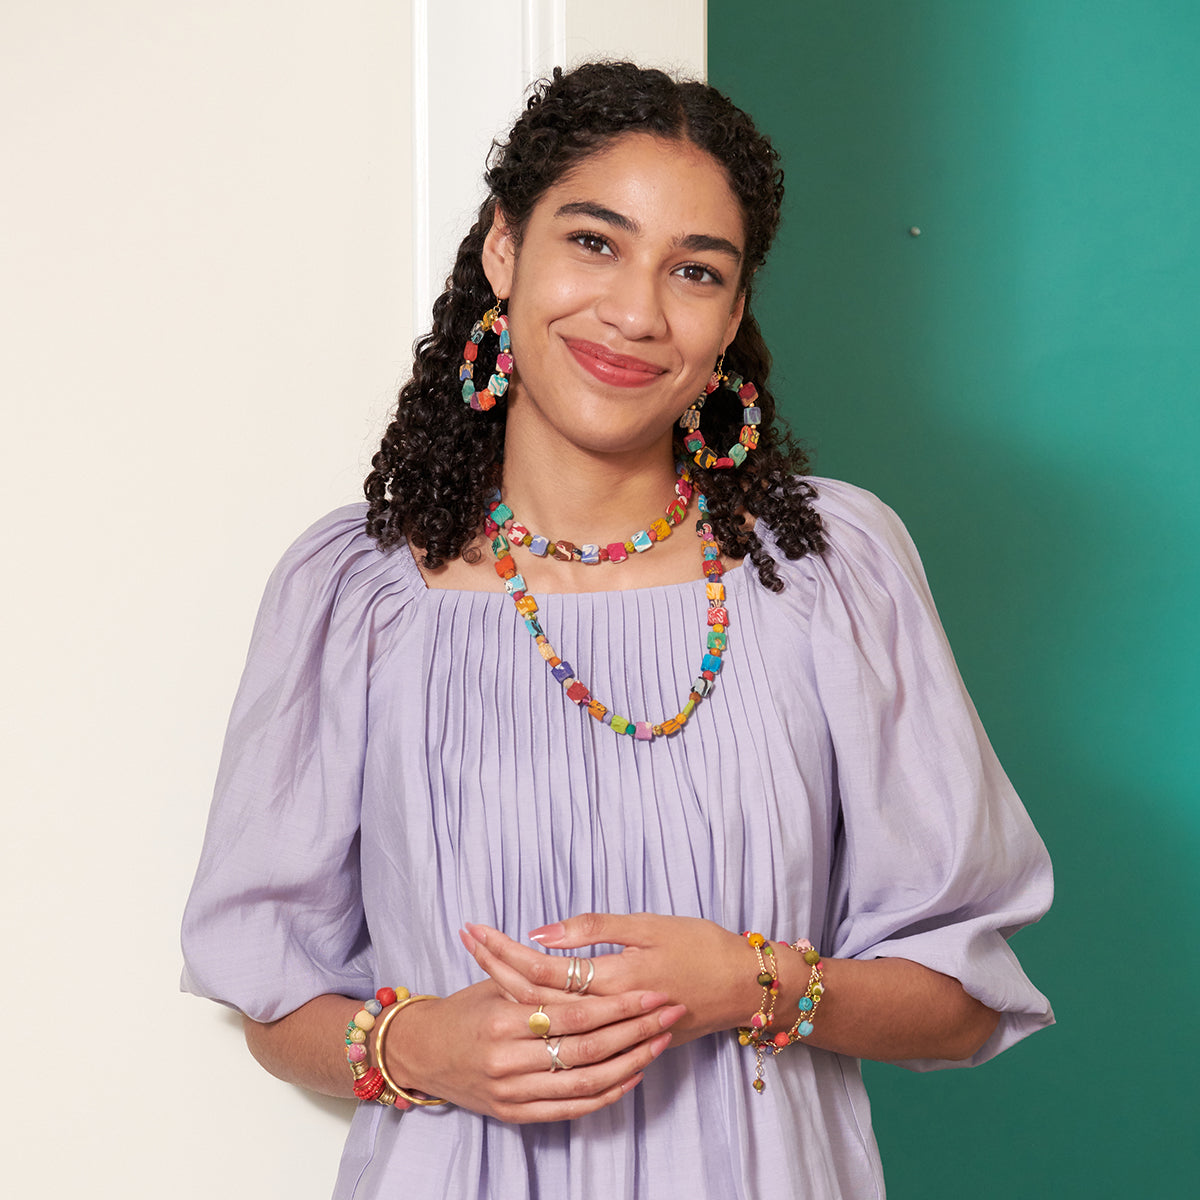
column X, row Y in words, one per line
column 622, row 293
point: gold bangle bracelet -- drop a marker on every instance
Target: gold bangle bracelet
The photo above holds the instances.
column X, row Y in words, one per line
column 380, row 1031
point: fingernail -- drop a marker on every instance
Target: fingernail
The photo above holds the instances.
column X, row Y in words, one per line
column 660, row 1043
column 669, row 1016
column 479, row 932
column 467, row 940
column 630, row 1084
column 654, row 1000
column 549, row 933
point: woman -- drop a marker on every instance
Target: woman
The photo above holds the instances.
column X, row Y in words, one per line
column 458, row 730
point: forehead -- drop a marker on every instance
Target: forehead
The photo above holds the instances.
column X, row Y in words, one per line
column 657, row 182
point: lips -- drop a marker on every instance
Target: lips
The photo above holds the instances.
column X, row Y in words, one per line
column 620, row 370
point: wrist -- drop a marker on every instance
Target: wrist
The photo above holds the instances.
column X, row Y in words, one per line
column 741, row 992
column 397, row 1049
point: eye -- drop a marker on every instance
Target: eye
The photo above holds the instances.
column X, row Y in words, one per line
column 698, row 273
column 593, row 243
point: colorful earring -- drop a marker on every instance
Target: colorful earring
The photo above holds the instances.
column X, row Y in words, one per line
column 693, row 439
column 496, row 322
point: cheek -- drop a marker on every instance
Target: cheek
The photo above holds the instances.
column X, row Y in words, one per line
column 537, row 304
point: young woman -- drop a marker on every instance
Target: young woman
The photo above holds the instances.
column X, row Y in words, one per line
column 514, row 738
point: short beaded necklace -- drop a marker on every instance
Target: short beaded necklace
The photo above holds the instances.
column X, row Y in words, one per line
column 500, row 514
column 590, row 553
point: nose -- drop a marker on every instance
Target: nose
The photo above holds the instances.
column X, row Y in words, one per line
column 632, row 303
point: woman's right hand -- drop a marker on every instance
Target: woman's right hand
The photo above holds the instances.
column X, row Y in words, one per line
column 475, row 1048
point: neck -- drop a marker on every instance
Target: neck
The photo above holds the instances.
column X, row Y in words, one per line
column 584, row 495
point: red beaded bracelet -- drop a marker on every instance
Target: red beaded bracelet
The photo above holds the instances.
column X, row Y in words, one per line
column 374, row 1083
column 369, row 1081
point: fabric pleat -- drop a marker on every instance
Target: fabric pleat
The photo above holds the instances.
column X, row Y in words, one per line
column 400, row 762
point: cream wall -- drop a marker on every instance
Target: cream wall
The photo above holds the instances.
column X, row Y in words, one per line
column 207, row 261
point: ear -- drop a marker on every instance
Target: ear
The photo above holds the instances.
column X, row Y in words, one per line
column 735, row 319
column 499, row 256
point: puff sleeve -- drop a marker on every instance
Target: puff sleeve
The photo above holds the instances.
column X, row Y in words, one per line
column 275, row 916
column 937, row 860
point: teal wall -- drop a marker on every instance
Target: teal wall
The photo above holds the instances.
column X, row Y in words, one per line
column 1022, row 383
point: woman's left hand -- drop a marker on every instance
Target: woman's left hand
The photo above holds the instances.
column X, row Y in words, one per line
column 697, row 963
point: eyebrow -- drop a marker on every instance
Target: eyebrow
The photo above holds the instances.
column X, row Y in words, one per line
column 700, row 243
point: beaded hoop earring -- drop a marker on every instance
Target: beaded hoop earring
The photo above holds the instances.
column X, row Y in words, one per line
column 481, row 400
column 693, row 440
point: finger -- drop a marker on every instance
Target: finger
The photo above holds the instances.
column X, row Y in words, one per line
column 610, row 1042
column 537, row 967
column 511, row 980
column 469, row 942
column 621, row 1022
column 626, row 1019
column 586, row 1080
column 563, row 1110
column 591, row 929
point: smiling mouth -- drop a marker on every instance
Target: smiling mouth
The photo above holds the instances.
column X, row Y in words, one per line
column 620, row 370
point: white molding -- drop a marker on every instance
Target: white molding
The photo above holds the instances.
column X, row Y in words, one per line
column 545, row 24
column 421, row 136
column 471, row 65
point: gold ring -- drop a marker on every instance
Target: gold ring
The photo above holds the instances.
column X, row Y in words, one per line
column 539, row 1023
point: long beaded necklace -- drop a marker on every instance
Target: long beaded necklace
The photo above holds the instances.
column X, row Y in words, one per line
column 500, row 514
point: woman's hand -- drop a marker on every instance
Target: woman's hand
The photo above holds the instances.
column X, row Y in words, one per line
column 696, row 963
column 476, row 1049
column 887, row 1009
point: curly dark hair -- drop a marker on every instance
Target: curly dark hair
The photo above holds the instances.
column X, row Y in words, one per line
column 440, row 460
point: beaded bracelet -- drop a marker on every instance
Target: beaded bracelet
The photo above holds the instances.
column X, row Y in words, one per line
column 754, row 1034
column 369, row 1083
column 807, row 1003
column 372, row 1083
column 768, row 980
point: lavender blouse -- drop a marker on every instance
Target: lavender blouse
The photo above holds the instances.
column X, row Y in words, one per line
column 399, row 762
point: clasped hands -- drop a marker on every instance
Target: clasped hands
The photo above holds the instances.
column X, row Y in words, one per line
column 674, row 979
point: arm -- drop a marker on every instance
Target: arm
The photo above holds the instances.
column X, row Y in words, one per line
column 493, row 1064
column 304, row 1048
column 886, row 1009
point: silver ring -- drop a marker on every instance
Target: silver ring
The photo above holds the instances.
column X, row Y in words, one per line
column 591, row 974
column 572, row 974
column 556, row 1063
column 575, row 981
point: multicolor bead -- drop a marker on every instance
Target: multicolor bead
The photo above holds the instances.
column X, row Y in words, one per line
column 369, row 1081
column 592, row 554
column 483, row 399
column 754, row 1032
column 703, row 455
column 563, row 672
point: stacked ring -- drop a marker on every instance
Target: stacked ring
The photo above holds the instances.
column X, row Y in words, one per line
column 575, row 980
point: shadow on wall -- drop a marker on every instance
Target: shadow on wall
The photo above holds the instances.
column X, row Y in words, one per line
column 1020, row 382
